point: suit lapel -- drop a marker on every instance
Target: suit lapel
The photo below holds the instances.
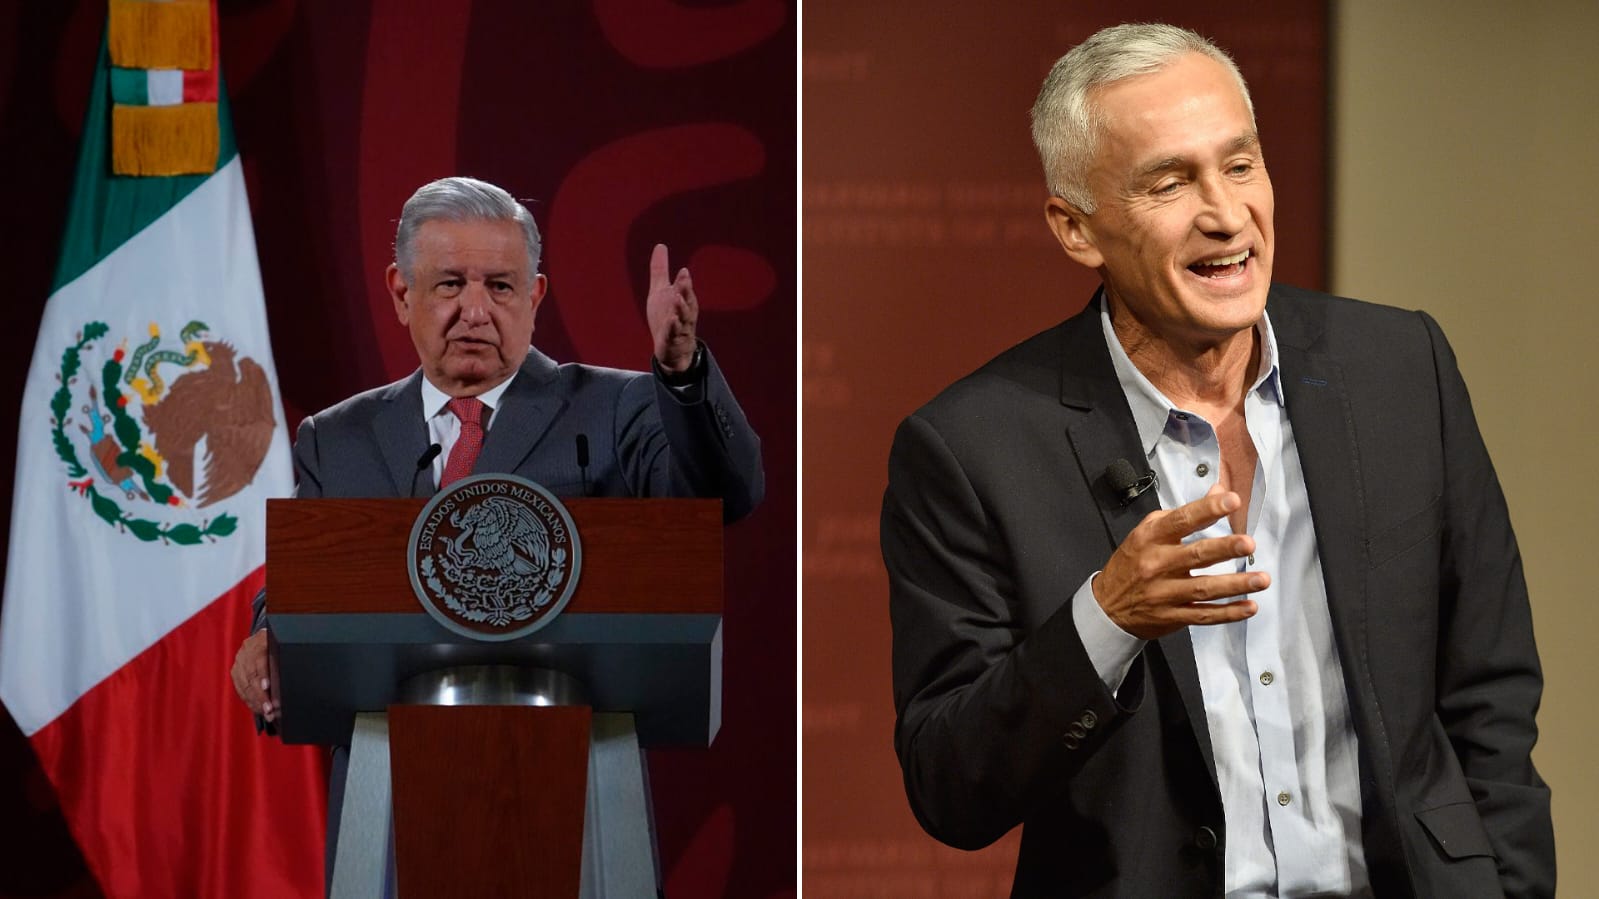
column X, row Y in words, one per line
column 526, row 410
column 1102, row 431
column 1325, row 435
column 1316, row 394
column 403, row 435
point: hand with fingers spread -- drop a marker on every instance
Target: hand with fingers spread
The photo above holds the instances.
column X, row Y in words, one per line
column 1147, row 589
column 252, row 678
column 672, row 311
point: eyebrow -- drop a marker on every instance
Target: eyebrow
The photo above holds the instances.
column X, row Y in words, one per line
column 1249, row 140
column 506, row 275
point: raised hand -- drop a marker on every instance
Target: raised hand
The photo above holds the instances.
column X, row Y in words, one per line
column 672, row 311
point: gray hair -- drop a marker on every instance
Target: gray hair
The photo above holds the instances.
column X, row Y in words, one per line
column 461, row 200
column 1066, row 121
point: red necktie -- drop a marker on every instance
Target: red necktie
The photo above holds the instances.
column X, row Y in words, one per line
column 469, row 411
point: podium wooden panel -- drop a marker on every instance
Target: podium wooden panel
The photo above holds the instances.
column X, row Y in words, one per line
column 475, row 823
column 343, row 556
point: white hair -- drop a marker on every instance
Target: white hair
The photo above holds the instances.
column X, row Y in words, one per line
column 1067, row 122
column 462, row 200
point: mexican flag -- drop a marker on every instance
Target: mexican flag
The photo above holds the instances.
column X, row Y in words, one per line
column 151, row 436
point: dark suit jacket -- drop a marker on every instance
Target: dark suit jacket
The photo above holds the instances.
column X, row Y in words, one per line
column 996, row 512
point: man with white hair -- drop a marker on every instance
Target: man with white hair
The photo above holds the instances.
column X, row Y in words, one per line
column 1212, row 586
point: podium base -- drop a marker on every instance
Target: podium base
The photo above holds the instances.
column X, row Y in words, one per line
column 363, row 863
column 618, row 852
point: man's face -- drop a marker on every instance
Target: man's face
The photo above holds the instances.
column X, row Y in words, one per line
column 1183, row 234
column 469, row 304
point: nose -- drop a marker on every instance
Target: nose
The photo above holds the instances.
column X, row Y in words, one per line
column 475, row 303
column 1222, row 212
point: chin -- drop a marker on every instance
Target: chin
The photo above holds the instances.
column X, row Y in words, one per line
column 1211, row 321
column 478, row 376
column 469, row 374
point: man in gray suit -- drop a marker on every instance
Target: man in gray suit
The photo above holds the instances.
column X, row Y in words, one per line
column 465, row 282
column 1211, row 587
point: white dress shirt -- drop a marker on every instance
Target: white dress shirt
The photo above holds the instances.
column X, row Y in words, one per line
column 1275, row 704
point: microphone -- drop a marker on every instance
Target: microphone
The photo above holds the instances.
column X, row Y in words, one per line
column 423, row 463
column 1125, row 482
column 583, row 460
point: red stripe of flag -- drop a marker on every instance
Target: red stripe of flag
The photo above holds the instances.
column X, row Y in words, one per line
column 201, row 86
column 167, row 787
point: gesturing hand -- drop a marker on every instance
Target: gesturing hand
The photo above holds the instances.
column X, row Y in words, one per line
column 1146, row 587
column 672, row 311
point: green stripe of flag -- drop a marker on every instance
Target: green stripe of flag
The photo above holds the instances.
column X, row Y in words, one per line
column 105, row 209
column 130, row 87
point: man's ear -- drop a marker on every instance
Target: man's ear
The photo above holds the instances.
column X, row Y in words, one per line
column 397, row 292
column 1073, row 230
column 540, row 285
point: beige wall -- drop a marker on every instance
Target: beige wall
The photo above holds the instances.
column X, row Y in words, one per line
column 1466, row 182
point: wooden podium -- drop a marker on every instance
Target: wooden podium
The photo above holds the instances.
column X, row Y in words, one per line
column 515, row 766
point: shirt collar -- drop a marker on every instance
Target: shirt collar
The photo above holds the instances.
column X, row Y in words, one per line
column 1150, row 407
column 434, row 399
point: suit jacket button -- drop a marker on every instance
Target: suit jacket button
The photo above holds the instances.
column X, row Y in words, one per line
column 1077, row 731
column 1205, row 838
column 1089, row 719
column 1071, row 742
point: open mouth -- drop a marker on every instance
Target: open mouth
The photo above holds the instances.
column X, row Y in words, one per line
column 1222, row 266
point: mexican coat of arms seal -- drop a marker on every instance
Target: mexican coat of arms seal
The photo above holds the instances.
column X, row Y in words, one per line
column 152, row 433
column 494, row 557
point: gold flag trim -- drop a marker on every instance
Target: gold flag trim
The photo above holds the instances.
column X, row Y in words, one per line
column 164, row 140
column 166, row 34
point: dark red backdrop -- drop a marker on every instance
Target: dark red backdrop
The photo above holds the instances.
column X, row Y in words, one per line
column 623, row 123
column 925, row 254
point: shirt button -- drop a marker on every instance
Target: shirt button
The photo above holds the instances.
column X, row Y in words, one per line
column 1266, row 678
column 1251, row 558
column 1202, row 470
column 1283, row 798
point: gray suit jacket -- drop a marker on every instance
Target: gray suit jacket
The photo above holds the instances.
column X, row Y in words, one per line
column 997, row 510
column 644, row 438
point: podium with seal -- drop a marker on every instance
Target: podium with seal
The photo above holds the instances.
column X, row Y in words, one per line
column 497, row 661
